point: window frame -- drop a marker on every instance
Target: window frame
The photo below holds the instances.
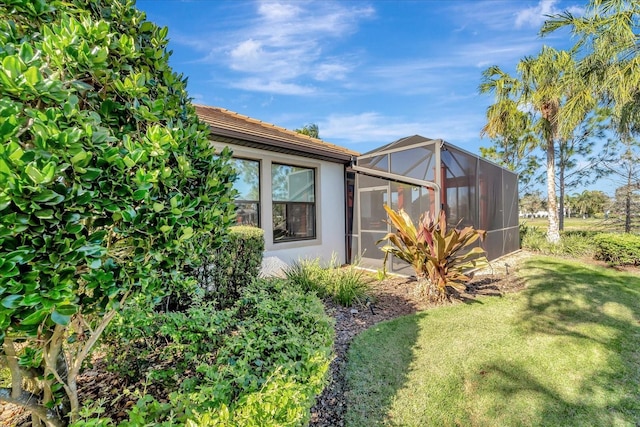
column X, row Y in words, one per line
column 289, row 206
column 237, row 201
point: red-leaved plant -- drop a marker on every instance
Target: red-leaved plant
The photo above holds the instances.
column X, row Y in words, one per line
column 437, row 254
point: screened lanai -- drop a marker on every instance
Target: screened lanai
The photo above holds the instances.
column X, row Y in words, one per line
column 419, row 174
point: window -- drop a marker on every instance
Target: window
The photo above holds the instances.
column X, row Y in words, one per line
column 248, row 186
column 294, row 208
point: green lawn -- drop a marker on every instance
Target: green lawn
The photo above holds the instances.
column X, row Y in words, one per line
column 570, row 224
column 563, row 352
column 612, row 224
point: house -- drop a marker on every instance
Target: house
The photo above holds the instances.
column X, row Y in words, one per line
column 318, row 200
column 291, row 185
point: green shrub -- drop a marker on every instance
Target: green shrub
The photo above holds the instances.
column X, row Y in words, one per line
column 259, row 363
column 534, row 240
column 109, row 186
column 576, row 244
column 344, row 286
column 232, row 266
column 160, row 346
column 618, row 248
column 528, row 232
column 573, row 243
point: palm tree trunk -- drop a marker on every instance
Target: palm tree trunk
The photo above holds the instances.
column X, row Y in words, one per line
column 627, row 204
column 553, row 234
column 561, row 201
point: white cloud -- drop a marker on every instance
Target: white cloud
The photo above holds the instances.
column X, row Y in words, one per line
column 491, row 14
column 535, row 16
column 491, row 52
column 272, row 86
column 247, row 54
column 278, row 11
column 375, row 129
column 286, row 41
column 366, row 127
column 331, row 71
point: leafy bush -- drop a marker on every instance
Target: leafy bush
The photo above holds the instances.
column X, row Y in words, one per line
column 441, row 257
column 160, row 346
column 233, row 265
column 618, row 248
column 574, row 243
column 109, row 186
column 261, row 362
column 533, row 239
column 344, row 286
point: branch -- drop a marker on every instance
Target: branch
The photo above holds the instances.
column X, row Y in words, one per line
column 95, row 335
column 26, row 128
column 29, row 401
column 14, row 368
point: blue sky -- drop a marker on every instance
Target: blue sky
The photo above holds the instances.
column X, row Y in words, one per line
column 366, row 72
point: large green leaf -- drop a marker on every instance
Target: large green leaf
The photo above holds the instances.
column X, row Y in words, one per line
column 11, row 301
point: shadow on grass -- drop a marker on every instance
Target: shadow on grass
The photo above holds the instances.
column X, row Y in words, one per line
column 568, row 353
column 584, row 302
column 378, row 376
column 565, row 297
column 510, row 382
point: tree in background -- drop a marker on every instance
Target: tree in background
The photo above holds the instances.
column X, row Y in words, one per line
column 513, row 140
column 311, row 130
column 109, row 187
column 608, row 42
column 626, row 170
column 577, row 164
column 545, row 84
column 590, row 202
column 531, row 203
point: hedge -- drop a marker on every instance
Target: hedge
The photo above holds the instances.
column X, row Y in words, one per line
column 618, row 248
column 233, row 266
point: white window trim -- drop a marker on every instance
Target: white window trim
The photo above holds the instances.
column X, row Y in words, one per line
column 266, row 158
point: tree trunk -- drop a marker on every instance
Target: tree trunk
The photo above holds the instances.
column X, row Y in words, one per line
column 561, row 209
column 553, row 234
column 627, row 204
column 30, row 402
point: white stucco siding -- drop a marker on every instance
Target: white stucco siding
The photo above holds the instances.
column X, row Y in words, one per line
column 329, row 204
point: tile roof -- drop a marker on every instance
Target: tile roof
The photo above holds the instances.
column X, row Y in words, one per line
column 227, row 126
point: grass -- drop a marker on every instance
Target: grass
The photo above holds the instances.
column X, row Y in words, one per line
column 563, row 352
column 611, row 224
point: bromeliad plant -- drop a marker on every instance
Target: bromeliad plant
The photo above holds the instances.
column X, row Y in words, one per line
column 441, row 257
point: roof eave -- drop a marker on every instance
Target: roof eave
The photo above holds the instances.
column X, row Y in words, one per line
column 242, row 138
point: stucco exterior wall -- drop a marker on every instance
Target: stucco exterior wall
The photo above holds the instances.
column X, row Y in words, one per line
column 330, row 207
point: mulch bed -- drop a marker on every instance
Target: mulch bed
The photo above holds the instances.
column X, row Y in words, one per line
column 390, row 298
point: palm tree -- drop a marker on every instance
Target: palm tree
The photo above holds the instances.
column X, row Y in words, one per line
column 582, row 203
column 513, row 141
column 311, row 130
column 545, row 85
column 607, row 35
